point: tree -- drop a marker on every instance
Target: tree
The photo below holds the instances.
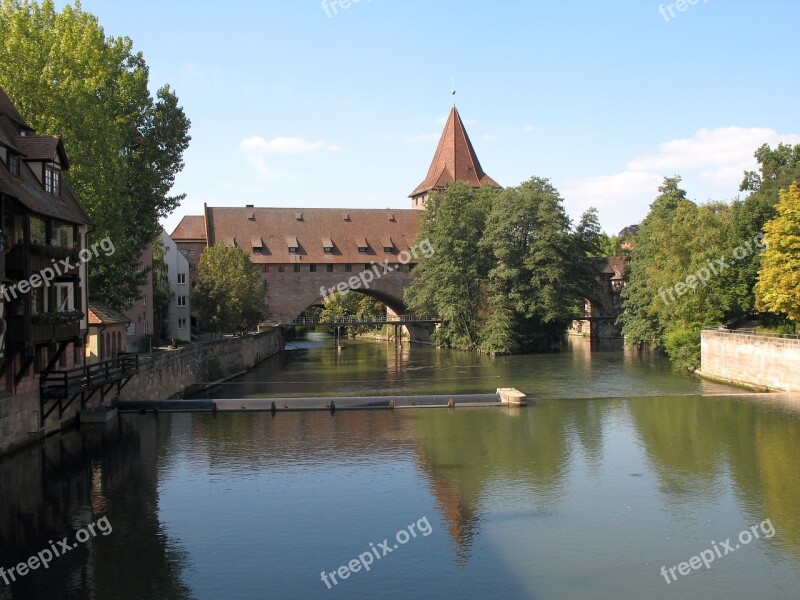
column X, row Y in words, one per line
column 125, row 147
column 352, row 304
column 162, row 293
column 230, row 295
column 451, row 282
column 509, row 272
column 778, row 286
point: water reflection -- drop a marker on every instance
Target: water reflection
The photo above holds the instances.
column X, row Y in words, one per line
column 51, row 491
column 583, row 494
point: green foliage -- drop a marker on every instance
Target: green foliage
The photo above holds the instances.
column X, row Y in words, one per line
column 509, row 272
column 162, row 293
column 778, row 286
column 676, row 246
column 451, row 283
column 352, row 304
column 230, row 295
column 611, row 245
column 125, row 148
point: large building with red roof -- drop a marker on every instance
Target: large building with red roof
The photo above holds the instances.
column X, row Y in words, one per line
column 302, row 252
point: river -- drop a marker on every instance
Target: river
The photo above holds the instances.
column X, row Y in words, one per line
column 619, row 467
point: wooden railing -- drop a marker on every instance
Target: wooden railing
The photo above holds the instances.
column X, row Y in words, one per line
column 62, row 384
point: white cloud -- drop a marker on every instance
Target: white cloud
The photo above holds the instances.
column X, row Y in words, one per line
column 529, row 128
column 711, row 164
column 286, row 145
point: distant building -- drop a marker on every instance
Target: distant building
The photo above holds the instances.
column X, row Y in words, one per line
column 301, row 252
column 179, row 274
column 139, row 332
column 455, row 160
column 604, row 307
column 106, row 333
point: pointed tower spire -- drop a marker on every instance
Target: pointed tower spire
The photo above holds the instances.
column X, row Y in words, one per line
column 455, row 160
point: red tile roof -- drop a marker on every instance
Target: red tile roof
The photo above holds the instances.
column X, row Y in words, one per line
column 27, row 187
column 42, row 148
column 191, row 228
column 100, row 314
column 278, row 228
column 455, row 160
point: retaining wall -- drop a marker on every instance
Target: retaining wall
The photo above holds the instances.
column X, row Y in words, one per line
column 751, row 359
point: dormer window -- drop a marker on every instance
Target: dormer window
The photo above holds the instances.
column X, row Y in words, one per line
column 292, row 244
column 327, row 245
column 52, row 180
column 13, row 164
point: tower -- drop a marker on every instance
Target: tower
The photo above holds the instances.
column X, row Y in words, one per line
column 455, row 160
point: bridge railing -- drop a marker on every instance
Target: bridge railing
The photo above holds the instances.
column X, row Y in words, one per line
column 354, row 320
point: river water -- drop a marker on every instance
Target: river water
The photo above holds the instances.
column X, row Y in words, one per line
column 618, row 467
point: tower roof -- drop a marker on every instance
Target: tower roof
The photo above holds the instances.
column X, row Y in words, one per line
column 455, row 160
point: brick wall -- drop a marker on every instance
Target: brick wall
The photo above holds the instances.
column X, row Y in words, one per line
column 751, row 359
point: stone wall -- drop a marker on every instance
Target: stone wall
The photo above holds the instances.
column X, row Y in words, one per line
column 172, row 374
column 161, row 376
column 751, row 360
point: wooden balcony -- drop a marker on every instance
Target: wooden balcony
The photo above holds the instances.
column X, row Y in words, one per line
column 35, row 258
column 22, row 332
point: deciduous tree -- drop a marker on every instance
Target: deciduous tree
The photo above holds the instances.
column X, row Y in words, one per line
column 125, row 147
column 778, row 286
column 230, row 296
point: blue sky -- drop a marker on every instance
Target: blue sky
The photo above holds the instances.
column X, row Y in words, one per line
column 292, row 107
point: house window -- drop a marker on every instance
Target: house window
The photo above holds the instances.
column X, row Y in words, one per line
column 265, row 268
column 192, row 252
column 131, row 329
column 52, row 180
column 296, row 268
column 348, row 268
column 328, row 249
column 329, row 268
column 13, row 164
column 144, row 328
column 362, row 249
column 181, row 323
column 312, row 268
column 181, row 300
column 144, row 300
column 367, row 267
column 281, row 268
column 182, row 278
column 64, row 297
column 292, row 249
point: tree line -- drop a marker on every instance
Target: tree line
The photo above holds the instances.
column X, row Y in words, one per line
column 697, row 265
